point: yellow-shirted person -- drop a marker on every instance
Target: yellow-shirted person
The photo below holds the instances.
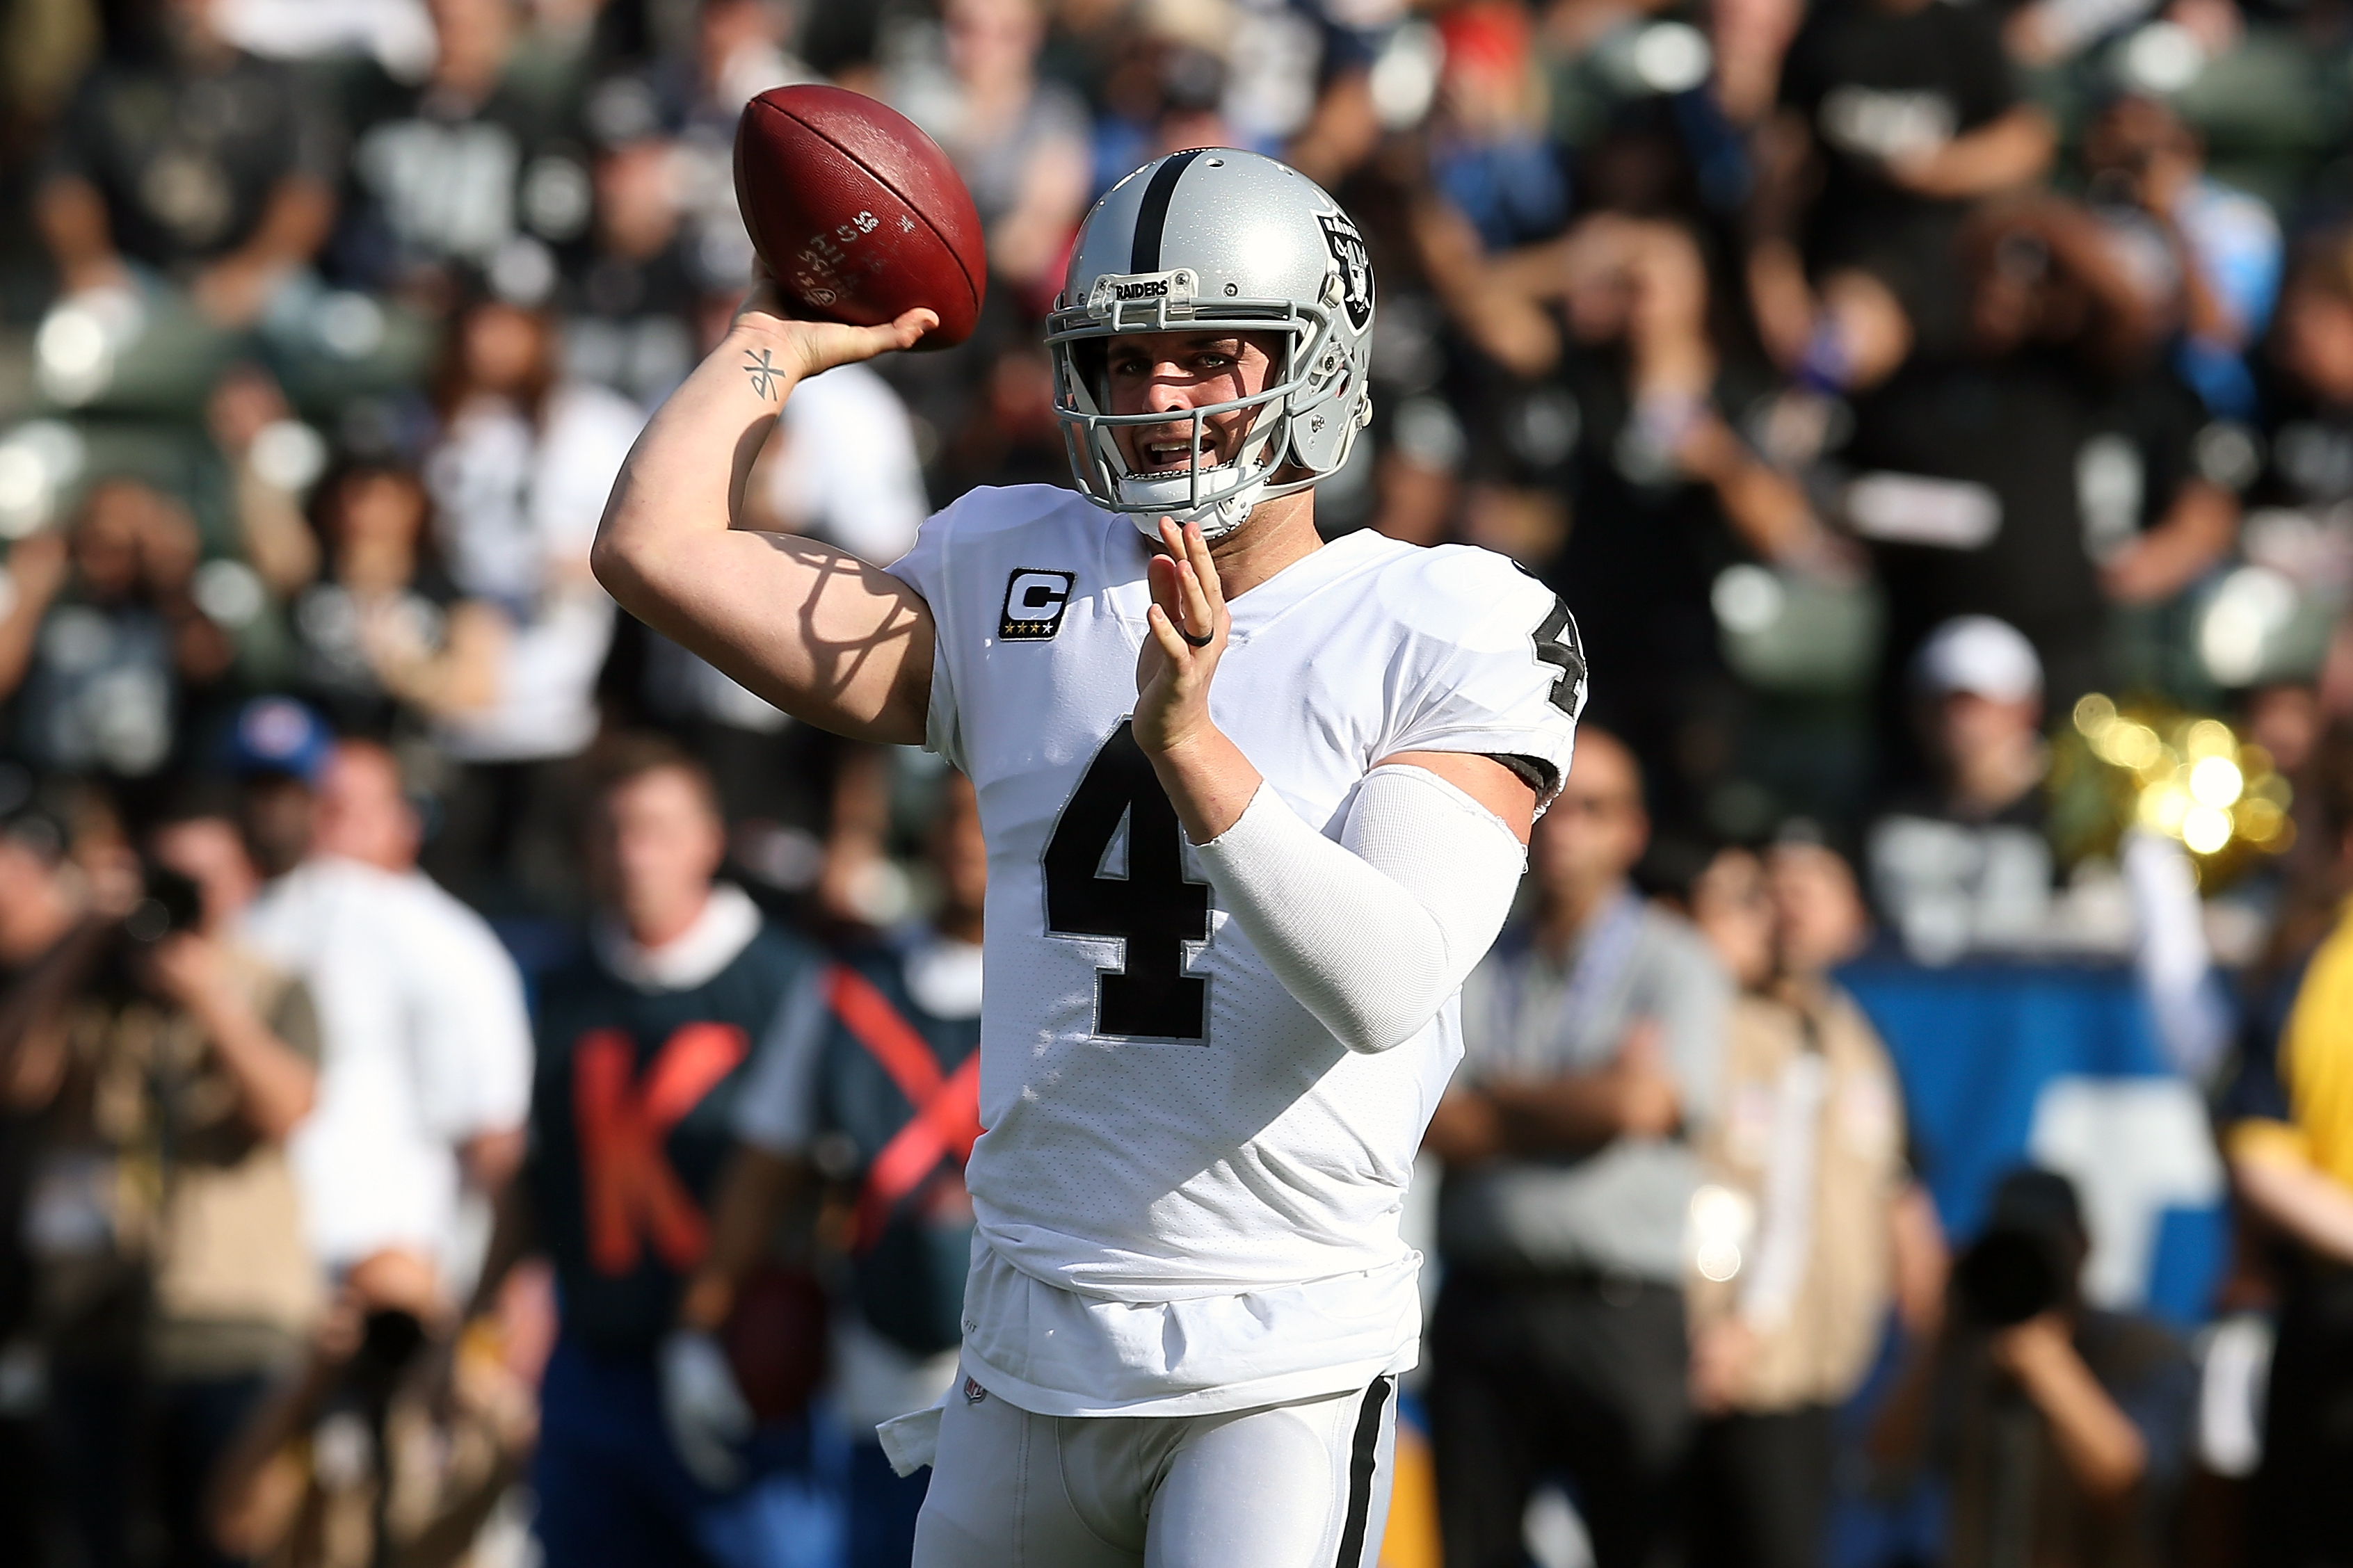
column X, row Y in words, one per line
column 2289, row 1137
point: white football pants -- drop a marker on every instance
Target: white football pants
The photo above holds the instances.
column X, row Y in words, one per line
column 1285, row 1486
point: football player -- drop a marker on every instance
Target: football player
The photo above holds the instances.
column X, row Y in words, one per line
column 1254, row 805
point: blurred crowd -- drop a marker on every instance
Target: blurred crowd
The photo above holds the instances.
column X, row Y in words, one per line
column 475, row 1080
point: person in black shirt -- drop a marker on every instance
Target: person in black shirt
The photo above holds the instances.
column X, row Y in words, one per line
column 1605, row 388
column 2306, row 478
column 191, row 159
column 462, row 171
column 632, row 287
column 1908, row 110
column 1963, row 469
column 38, row 912
column 105, row 647
column 382, row 639
column 1966, row 864
column 2061, row 1428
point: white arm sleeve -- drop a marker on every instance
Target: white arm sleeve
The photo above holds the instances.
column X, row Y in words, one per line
column 1374, row 933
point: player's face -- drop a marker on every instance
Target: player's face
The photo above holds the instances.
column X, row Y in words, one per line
column 1175, row 373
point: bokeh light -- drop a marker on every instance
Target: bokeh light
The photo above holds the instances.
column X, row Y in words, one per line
column 2216, row 782
column 2205, row 829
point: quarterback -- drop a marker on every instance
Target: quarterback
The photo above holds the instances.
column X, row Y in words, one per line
column 1254, row 805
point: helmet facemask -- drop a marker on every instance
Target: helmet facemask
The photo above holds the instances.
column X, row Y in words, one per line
column 1221, row 496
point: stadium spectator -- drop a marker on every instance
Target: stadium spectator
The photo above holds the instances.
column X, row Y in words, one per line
column 2290, row 1143
column 103, row 641
column 876, row 1043
column 1964, row 462
column 361, row 1455
column 383, row 641
column 425, row 1046
column 1897, row 114
column 2307, row 468
column 204, row 167
column 1653, row 472
column 844, row 468
column 628, row 295
column 2217, row 246
column 1019, row 141
column 39, row 910
column 456, row 173
column 2061, row 1429
column 1810, row 1228
column 1591, row 1042
column 650, row 1450
column 170, row 1066
column 1967, row 867
column 518, row 481
column 686, row 100
column 1159, row 95
column 1489, row 157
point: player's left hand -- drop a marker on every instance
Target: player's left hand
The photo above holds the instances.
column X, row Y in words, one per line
column 1190, row 623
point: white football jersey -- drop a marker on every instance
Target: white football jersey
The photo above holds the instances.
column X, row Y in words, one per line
column 1165, row 1124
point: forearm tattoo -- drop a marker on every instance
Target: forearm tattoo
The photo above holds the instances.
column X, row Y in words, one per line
column 762, row 368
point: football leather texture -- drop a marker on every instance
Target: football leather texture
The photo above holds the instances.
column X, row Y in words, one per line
column 858, row 214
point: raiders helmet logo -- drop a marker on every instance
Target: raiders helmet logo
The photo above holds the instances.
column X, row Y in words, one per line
column 1113, row 289
column 1355, row 265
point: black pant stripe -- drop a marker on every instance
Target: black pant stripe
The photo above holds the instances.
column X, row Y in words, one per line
column 1361, row 1458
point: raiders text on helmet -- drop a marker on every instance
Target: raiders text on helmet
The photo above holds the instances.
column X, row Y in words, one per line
column 1217, row 239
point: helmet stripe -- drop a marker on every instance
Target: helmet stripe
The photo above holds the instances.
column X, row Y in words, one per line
column 1153, row 214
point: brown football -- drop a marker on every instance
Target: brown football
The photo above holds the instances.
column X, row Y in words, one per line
column 859, row 215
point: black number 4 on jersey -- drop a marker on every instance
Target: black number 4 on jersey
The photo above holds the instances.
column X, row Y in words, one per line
column 1154, row 909
column 1557, row 644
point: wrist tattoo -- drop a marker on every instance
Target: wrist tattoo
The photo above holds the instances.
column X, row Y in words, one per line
column 762, row 368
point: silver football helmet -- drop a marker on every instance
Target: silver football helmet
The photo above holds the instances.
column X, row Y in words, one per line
column 1216, row 238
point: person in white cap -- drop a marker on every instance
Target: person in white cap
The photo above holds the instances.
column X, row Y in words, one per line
column 1965, row 864
column 1968, row 868
column 1983, row 684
